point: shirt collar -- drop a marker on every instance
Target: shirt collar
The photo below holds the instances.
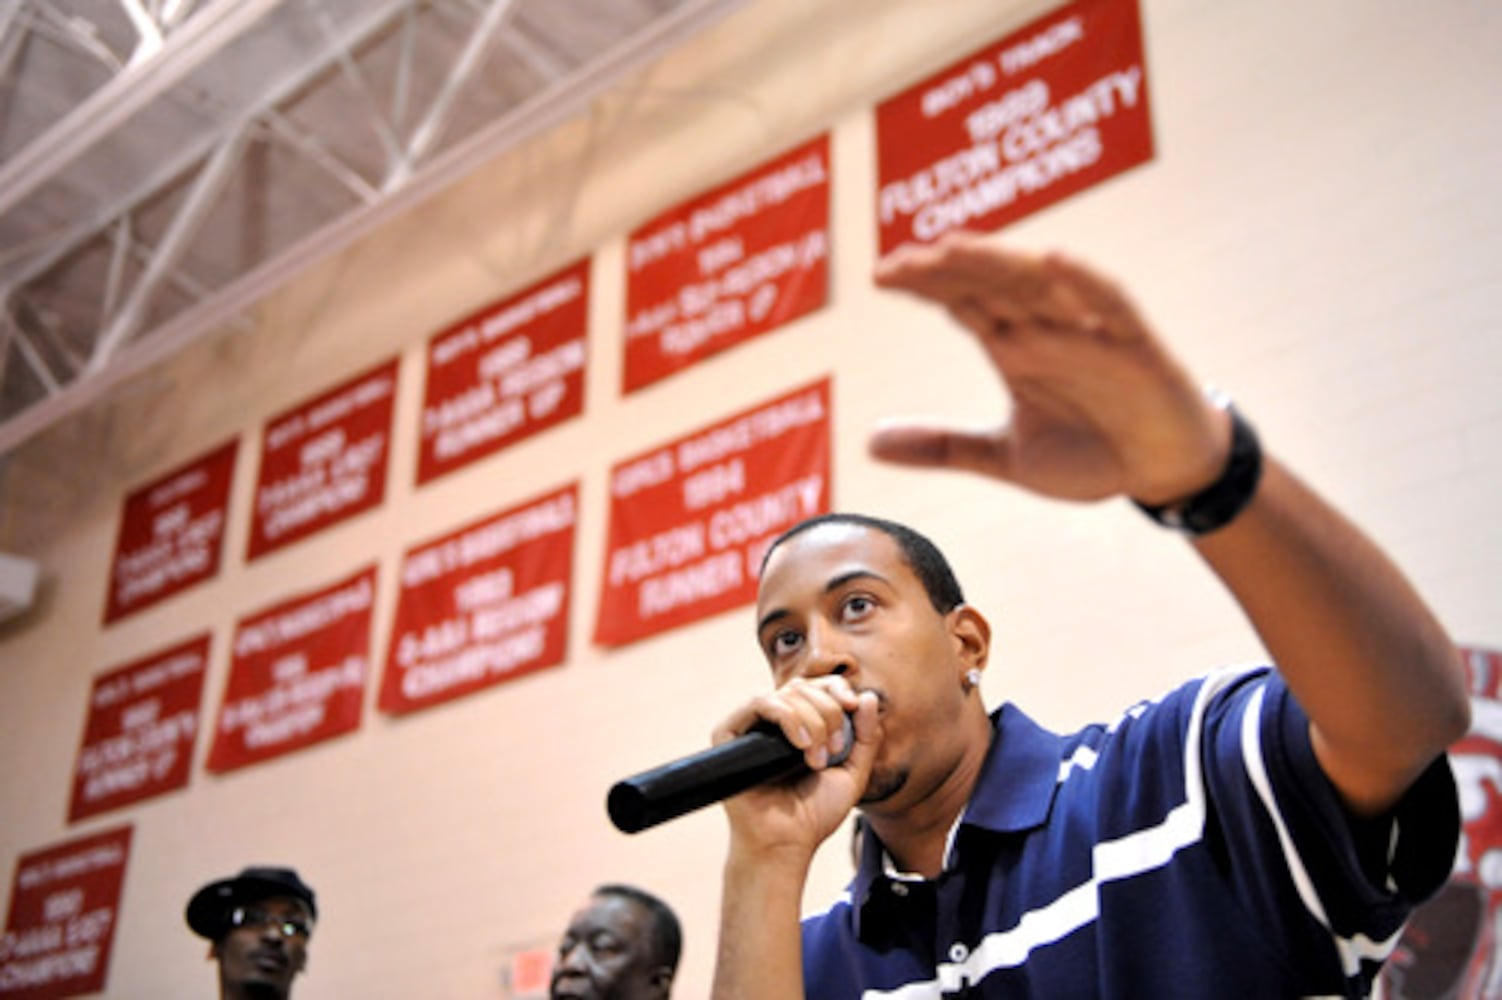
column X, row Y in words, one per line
column 1014, row 793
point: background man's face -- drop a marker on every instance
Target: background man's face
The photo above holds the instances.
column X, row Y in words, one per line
column 606, row 954
column 259, row 953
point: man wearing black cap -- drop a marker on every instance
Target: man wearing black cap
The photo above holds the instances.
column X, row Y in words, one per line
column 259, row 922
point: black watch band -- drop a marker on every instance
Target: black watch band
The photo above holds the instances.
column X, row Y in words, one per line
column 1217, row 505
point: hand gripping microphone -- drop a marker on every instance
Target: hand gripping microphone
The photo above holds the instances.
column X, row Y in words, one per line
column 759, row 755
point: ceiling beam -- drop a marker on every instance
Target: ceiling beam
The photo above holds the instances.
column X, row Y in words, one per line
column 124, row 95
column 180, row 232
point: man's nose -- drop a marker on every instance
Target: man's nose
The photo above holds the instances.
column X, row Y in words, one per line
column 572, row 957
column 828, row 652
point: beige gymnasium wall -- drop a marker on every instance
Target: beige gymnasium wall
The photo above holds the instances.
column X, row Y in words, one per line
column 1319, row 233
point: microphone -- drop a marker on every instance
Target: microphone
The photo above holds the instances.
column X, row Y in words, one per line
column 757, row 756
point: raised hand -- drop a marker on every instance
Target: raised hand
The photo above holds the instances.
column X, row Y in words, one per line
column 1100, row 407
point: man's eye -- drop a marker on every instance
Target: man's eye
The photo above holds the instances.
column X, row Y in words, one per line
column 857, row 606
column 784, row 642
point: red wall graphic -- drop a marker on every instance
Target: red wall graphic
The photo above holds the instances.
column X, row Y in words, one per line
column 323, row 461
column 297, row 674
column 689, row 521
column 1045, row 113
column 64, row 904
column 138, row 739
column 730, row 265
column 505, row 373
column 171, row 533
column 484, row 604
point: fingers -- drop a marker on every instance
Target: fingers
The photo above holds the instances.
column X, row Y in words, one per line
column 810, row 713
column 926, row 446
column 993, row 290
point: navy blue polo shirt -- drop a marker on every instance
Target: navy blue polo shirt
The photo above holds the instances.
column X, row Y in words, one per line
column 1192, row 848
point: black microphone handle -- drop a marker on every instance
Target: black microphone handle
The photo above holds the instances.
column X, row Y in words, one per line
column 760, row 755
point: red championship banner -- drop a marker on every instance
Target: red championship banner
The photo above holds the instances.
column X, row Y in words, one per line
column 1046, row 112
column 63, row 909
column 505, row 373
column 171, row 533
column 138, row 740
column 297, row 674
column 323, row 461
column 689, row 521
column 482, row 605
column 739, row 261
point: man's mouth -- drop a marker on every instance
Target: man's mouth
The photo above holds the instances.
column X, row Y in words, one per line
column 571, row 988
column 269, row 961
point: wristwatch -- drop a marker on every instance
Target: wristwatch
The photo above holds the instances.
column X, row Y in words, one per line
column 1217, row 505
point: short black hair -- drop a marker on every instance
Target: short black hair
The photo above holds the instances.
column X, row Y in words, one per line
column 921, row 555
column 667, row 934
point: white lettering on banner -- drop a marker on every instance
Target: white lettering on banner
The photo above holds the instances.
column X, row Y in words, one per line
column 721, row 253
column 174, row 518
column 972, row 80
column 754, row 428
column 324, row 503
column 499, row 360
column 33, row 941
column 70, row 865
column 1048, row 42
column 722, row 317
column 1028, row 177
column 305, row 619
column 178, row 486
column 954, row 172
column 146, row 679
column 654, row 470
column 761, row 193
column 656, row 245
column 474, row 663
column 154, row 567
column 768, row 512
column 164, row 734
column 291, row 710
column 485, row 589
column 1057, row 125
column 1037, row 146
column 707, row 308
column 541, row 302
column 321, row 448
column 701, row 581
column 563, row 360
column 990, row 120
column 433, row 641
column 652, row 319
column 481, row 430
column 714, row 484
column 538, row 605
column 455, row 345
column 489, row 540
column 664, row 550
column 356, row 397
column 472, row 402
column 69, row 964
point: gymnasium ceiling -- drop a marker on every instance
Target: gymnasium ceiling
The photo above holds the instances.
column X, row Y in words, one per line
column 165, row 164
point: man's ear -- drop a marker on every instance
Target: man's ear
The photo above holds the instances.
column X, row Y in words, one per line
column 662, row 981
column 213, row 952
column 972, row 637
